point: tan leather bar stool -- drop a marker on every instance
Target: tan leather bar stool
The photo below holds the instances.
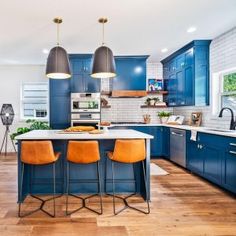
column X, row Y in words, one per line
column 83, row 152
column 37, row 153
column 129, row 152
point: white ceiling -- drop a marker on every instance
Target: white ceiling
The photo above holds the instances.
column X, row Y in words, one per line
column 135, row 26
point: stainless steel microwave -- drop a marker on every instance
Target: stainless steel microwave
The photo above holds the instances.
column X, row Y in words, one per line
column 85, row 102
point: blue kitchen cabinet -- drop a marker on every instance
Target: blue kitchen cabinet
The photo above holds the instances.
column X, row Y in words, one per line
column 131, row 73
column 229, row 166
column 214, row 158
column 186, row 75
column 60, row 112
column 59, row 103
column 59, row 87
column 212, row 163
column 81, row 80
column 195, row 160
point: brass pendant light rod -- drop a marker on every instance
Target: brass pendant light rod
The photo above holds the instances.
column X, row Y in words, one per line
column 103, row 21
column 103, row 59
column 58, row 64
column 58, row 21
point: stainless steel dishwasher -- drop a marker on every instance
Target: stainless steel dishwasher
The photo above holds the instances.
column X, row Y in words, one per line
column 178, row 146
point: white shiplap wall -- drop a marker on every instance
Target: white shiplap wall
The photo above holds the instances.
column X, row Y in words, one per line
column 222, row 57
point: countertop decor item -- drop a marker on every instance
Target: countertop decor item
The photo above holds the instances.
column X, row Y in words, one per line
column 58, row 65
column 103, row 59
column 163, row 116
column 155, row 84
column 7, row 116
column 147, row 118
column 175, row 120
column 196, row 119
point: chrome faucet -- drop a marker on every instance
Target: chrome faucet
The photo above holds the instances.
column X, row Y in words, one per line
column 232, row 122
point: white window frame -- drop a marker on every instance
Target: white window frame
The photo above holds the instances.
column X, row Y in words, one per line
column 217, row 90
column 24, row 118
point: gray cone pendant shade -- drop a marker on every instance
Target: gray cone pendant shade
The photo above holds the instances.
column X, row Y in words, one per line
column 58, row 65
column 103, row 60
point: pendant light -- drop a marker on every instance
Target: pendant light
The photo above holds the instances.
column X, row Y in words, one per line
column 103, row 59
column 58, row 65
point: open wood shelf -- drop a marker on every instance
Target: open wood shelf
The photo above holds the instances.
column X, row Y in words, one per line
column 157, row 106
column 160, row 92
column 108, row 106
column 107, row 93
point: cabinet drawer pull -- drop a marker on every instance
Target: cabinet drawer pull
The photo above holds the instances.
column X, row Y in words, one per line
column 232, row 144
column 181, row 135
column 232, row 152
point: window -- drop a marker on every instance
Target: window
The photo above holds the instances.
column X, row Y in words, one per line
column 34, row 101
column 228, row 90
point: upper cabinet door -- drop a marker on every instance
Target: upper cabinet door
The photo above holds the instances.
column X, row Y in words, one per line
column 81, row 80
column 180, row 62
column 131, row 73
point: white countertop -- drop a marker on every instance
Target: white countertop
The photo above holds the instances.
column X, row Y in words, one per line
column 55, row 134
column 209, row 130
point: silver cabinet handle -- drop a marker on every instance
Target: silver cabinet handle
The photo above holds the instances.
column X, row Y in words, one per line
column 232, row 144
column 181, row 135
column 232, row 152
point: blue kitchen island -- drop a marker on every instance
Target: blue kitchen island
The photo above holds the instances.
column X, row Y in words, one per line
column 38, row 179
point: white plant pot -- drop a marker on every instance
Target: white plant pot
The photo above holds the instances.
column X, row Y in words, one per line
column 164, row 120
column 152, row 102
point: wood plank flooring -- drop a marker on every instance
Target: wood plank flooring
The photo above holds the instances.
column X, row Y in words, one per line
column 182, row 204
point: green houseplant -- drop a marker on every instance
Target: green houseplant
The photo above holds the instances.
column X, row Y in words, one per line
column 32, row 125
column 163, row 116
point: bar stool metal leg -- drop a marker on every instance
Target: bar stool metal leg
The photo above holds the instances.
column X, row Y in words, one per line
column 81, row 198
column 38, row 198
column 127, row 205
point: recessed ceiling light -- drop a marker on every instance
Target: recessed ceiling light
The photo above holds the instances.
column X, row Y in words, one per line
column 45, row 51
column 164, row 50
column 191, row 29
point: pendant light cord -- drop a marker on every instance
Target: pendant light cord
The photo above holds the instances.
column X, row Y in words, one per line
column 58, row 34
column 103, row 43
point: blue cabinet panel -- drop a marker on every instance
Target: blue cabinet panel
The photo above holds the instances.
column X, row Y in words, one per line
column 229, row 171
column 190, row 67
column 212, row 163
column 194, row 158
column 131, row 73
column 59, row 87
column 77, row 83
column 60, row 112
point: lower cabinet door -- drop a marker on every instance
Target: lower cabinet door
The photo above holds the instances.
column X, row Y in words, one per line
column 194, row 158
column 212, row 163
column 229, row 171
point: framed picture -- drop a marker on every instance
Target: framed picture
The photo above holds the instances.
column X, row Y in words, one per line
column 196, row 119
column 155, row 84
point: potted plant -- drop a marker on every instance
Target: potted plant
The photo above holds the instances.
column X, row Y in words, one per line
column 156, row 100
column 33, row 125
column 148, row 101
column 163, row 116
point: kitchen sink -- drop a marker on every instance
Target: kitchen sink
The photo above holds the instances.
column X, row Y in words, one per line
column 220, row 130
